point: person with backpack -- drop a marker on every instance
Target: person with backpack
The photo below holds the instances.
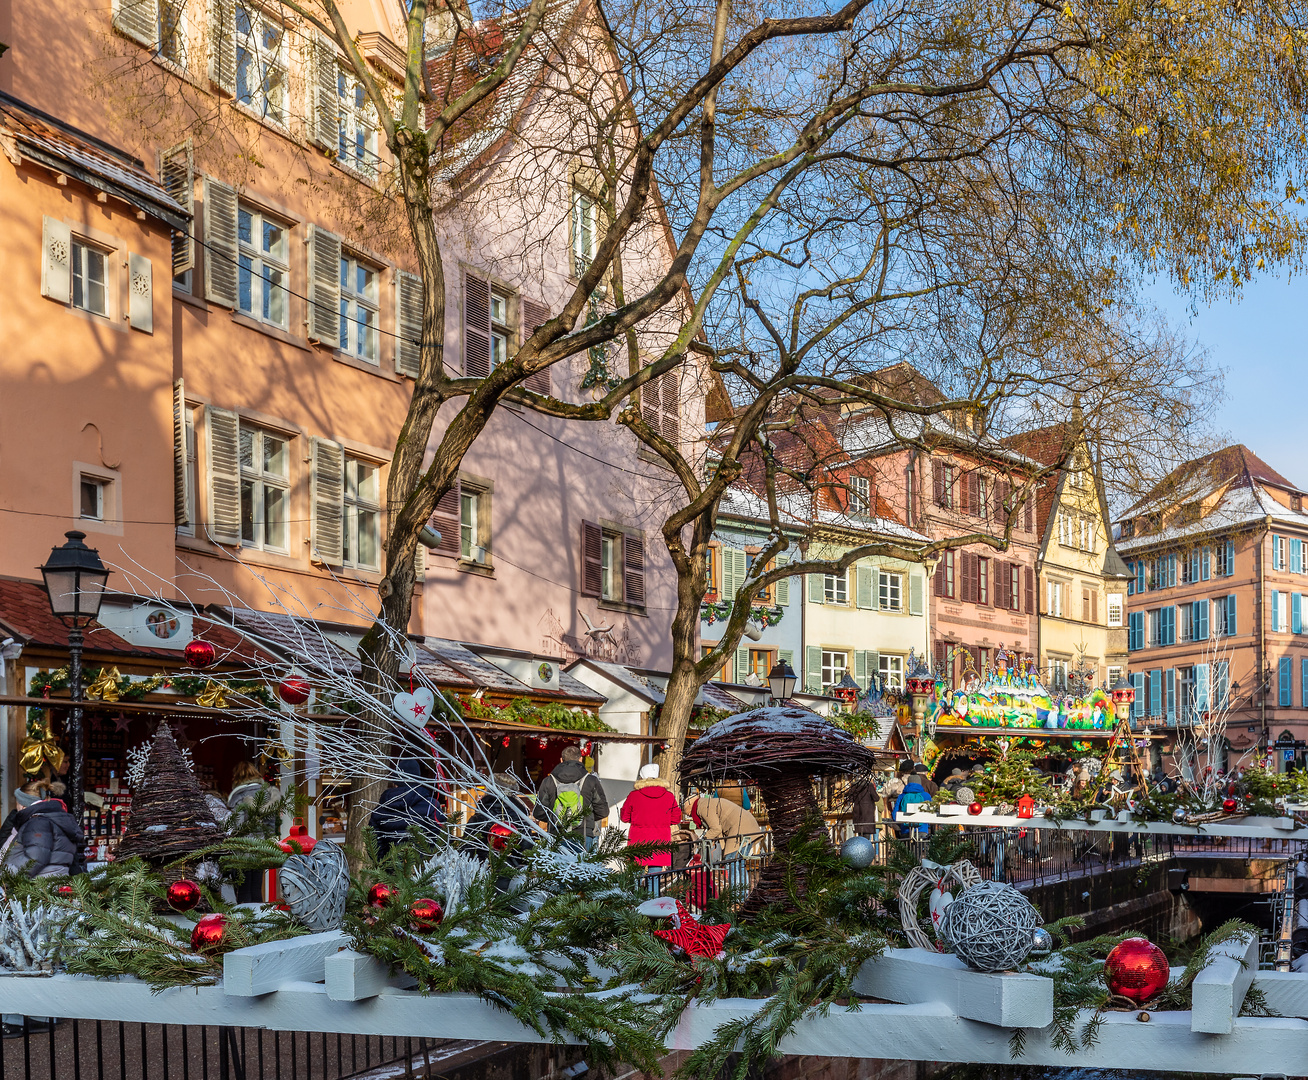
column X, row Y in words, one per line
column 571, row 799
column 47, row 841
column 913, row 793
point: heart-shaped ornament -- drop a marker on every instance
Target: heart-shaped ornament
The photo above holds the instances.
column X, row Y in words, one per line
column 314, row 886
column 940, row 900
column 415, row 708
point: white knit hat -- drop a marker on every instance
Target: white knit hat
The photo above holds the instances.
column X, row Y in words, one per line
column 649, row 772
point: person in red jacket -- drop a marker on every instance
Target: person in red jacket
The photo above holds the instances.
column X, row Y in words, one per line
column 651, row 810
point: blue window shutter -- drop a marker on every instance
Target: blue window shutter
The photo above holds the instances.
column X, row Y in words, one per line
column 1130, row 585
column 1285, row 681
column 1296, row 613
column 1135, row 631
column 1230, row 615
column 1303, row 683
column 1156, row 692
column 1140, row 576
column 1171, row 695
column 1276, row 552
column 1171, row 570
column 1137, row 706
column 1206, row 564
column 1230, row 558
column 1296, row 555
column 1200, row 688
column 1194, row 565
column 1201, row 620
column 1168, row 636
column 1222, row 684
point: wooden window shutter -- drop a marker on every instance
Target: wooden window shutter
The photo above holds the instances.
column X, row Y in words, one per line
column 812, row 667
column 967, row 580
column 1029, row 590
column 420, row 563
column 140, row 293
column 741, row 672
column 1029, row 512
column 408, row 323
column 670, row 417
column 592, row 571
column 327, row 527
column 222, row 430
column 222, row 47
column 783, row 585
column 324, row 286
column 817, row 588
column 1003, row 490
column 974, row 504
column 324, row 128
column 865, row 587
column 938, row 482
column 177, row 173
column 535, row 315
column 633, row 570
column 220, row 243
column 915, row 597
column 138, row 20
column 476, row 326
column 445, row 520
column 181, row 463
column 938, row 578
column 940, row 650
column 56, row 260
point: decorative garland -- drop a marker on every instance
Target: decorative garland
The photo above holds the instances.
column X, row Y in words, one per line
column 720, row 611
column 522, row 711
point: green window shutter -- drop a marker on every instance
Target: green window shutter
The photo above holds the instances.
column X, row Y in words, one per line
column 742, row 664
column 812, row 668
column 860, row 667
column 788, row 655
column 864, row 593
column 816, row 588
column 915, row 594
column 873, row 664
column 783, row 586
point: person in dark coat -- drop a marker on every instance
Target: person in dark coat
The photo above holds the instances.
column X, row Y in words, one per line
column 408, row 801
column 572, row 798
column 47, row 839
column 864, row 805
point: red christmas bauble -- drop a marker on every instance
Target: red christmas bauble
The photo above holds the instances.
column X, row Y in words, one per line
column 64, row 890
column 183, row 895
column 209, row 933
column 200, row 653
column 426, row 914
column 380, row 895
column 500, row 836
column 975, row 808
column 1230, row 805
column 1136, row 969
column 294, row 690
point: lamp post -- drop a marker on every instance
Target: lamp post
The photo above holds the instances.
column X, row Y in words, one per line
column 75, row 580
column 1123, row 694
column 781, row 681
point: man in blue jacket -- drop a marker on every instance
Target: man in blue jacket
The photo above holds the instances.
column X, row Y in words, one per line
column 913, row 792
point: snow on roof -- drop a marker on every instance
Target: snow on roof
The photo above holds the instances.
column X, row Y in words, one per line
column 797, row 510
column 1238, row 506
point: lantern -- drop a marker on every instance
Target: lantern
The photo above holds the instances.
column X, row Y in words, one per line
column 847, row 690
column 1123, row 694
column 1025, row 806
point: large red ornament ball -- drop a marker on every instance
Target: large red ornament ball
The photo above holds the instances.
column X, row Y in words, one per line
column 64, row 891
column 975, row 808
column 209, row 933
column 426, row 914
column 1230, row 805
column 380, row 895
column 1136, row 969
column 183, row 895
column 200, row 653
column 294, row 690
column 500, row 835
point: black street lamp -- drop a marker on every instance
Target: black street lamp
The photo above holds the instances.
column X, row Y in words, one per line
column 75, row 579
column 781, row 680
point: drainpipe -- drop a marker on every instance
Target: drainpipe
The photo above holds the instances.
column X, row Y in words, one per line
column 1262, row 634
column 10, row 650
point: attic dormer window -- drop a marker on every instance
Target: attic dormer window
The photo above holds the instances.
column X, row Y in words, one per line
column 1296, row 503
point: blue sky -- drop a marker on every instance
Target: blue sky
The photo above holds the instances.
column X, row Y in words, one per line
column 1262, row 342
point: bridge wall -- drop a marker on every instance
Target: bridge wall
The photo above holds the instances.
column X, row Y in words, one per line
column 1123, row 898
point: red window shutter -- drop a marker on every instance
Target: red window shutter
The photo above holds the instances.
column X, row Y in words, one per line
column 938, row 478
column 1030, row 513
column 592, row 539
column 476, row 327
column 445, row 520
column 941, row 653
column 1001, row 497
column 1030, row 592
column 534, row 315
column 938, row 578
column 969, row 568
column 965, row 494
column 975, row 506
column 633, row 570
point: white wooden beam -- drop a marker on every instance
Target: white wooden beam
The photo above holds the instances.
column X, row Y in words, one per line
column 1286, row 992
column 261, row 969
column 913, row 976
column 1218, row 991
column 1265, row 828
column 354, row 976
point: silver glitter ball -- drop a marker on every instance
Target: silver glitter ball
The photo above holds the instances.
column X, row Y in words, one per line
column 965, row 796
column 1042, row 942
column 858, row 852
column 1178, row 816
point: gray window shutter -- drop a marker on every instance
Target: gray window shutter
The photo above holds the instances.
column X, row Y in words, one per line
column 864, row 591
column 812, row 668
column 324, row 286
column 408, row 329
column 445, row 520
column 328, row 502
column 787, row 655
column 476, row 326
column 671, row 418
column 633, row 570
column 56, row 260
column 873, row 664
column 534, row 315
column 140, row 293
column 816, row 588
column 324, row 130
column 860, row 667
column 181, row 464
column 732, row 573
column 742, row 664
column 222, row 431
column 220, row 243
column 783, row 586
column 177, row 171
column 915, row 594
column 138, row 20
column 222, row 46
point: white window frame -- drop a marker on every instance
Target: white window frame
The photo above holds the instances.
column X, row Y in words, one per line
column 362, row 516
column 860, row 491
column 831, row 665
column 1114, row 675
column 890, row 669
column 1153, row 625
column 101, row 497
column 173, row 44
column 258, row 265
column 256, row 484
column 835, row 589
column 1058, row 675
column 1184, row 623
column 501, row 328
column 1055, row 599
column 611, row 583
column 469, row 522
column 1116, row 611
column 358, row 128
column 360, row 323
column 890, row 590
column 251, row 48
column 82, row 251
column 585, row 230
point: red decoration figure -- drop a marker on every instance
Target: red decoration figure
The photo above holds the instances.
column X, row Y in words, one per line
column 200, row 653
column 298, row 840
column 209, row 932
column 294, row 690
column 426, row 914
column 1230, row 805
column 975, row 808
column 183, row 895
column 693, row 938
column 1136, row 969
column 380, row 895
column 64, row 890
column 500, row 836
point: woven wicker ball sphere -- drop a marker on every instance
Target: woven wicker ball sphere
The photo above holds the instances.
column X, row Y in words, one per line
column 1136, row 969
column 964, row 795
column 990, row 927
column 857, row 852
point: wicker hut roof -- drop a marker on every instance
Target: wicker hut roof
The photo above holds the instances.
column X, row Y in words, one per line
column 772, row 742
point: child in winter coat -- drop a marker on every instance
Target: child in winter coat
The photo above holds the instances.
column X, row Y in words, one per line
column 651, row 810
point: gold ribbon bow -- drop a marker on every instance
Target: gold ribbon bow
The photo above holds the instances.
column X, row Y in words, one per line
column 38, row 749
column 273, row 750
column 105, row 687
column 214, row 696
